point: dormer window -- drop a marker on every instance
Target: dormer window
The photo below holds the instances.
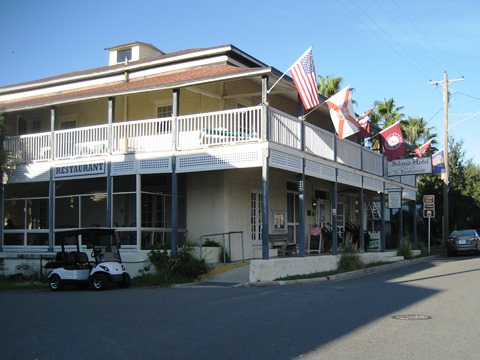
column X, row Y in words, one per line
column 124, row 55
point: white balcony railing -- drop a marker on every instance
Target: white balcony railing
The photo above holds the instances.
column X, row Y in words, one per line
column 192, row 132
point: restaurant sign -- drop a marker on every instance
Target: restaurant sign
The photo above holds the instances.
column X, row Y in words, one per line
column 411, row 166
column 85, row 169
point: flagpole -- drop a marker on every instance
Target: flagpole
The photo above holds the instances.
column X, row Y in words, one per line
column 315, row 108
column 280, row 78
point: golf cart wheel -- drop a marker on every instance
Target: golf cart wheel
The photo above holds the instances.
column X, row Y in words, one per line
column 125, row 283
column 55, row 283
column 100, row 281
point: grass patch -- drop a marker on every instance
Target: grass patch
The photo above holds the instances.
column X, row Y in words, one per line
column 20, row 283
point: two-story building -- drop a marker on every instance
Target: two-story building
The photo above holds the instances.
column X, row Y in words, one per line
column 182, row 146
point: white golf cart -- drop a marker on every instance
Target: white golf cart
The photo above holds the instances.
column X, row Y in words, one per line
column 75, row 268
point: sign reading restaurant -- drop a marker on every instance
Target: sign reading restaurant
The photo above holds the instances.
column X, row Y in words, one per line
column 413, row 166
column 85, row 169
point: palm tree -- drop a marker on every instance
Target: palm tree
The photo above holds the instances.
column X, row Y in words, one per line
column 417, row 133
column 329, row 85
column 386, row 113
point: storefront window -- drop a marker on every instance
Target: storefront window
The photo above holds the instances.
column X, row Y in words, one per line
column 67, row 211
column 94, row 210
column 81, row 203
column 13, row 239
column 15, row 214
column 40, row 239
column 124, row 210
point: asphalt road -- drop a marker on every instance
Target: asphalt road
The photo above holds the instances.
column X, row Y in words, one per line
column 348, row 319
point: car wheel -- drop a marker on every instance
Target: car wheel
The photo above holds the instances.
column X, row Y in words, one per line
column 450, row 253
column 125, row 283
column 55, row 283
column 100, row 281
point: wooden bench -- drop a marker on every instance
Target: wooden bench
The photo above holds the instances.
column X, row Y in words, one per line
column 280, row 242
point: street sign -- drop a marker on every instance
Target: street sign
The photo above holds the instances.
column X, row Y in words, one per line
column 428, row 213
column 428, row 206
column 429, row 199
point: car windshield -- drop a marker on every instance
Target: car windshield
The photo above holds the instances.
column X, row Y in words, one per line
column 459, row 233
column 105, row 243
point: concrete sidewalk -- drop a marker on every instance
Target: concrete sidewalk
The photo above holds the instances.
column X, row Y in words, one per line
column 233, row 274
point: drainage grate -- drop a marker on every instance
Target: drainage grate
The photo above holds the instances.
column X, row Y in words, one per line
column 411, row 317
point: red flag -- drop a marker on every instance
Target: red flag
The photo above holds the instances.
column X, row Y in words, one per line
column 342, row 114
column 305, row 79
column 364, row 124
column 418, row 152
column 392, row 140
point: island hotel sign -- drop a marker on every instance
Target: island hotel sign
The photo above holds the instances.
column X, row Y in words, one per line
column 76, row 170
column 412, row 166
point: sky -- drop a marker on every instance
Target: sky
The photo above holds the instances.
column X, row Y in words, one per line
column 383, row 49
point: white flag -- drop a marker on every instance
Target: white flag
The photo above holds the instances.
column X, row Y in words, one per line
column 342, row 114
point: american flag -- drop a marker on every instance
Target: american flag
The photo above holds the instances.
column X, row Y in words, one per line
column 305, row 79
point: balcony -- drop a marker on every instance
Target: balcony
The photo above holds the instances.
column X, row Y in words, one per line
column 192, row 132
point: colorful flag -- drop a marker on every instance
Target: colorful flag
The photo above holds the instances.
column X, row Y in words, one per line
column 364, row 124
column 392, row 140
column 438, row 162
column 418, row 152
column 342, row 114
column 305, row 79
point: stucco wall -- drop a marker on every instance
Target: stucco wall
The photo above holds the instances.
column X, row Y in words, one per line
column 219, row 202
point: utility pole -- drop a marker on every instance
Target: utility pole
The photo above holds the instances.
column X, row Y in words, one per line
column 446, row 95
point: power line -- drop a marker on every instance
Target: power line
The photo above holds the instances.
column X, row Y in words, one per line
column 470, row 96
column 425, row 37
column 402, row 53
column 402, row 29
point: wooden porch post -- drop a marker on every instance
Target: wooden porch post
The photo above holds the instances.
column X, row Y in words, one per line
column 175, row 110
column 265, row 171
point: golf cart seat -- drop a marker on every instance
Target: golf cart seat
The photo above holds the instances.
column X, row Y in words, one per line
column 62, row 259
column 82, row 261
column 70, row 261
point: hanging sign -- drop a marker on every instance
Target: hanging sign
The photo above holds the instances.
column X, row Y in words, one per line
column 394, row 199
column 413, row 166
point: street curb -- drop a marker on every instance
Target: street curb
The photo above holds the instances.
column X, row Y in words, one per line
column 342, row 276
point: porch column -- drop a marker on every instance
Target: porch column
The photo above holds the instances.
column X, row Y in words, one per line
column 382, row 221
column 400, row 219
column 361, row 215
column 334, row 215
column 265, row 170
column 361, row 245
column 301, row 183
column 175, row 111
column 51, row 184
column 110, row 115
column 2, row 211
column 414, row 225
column 335, row 201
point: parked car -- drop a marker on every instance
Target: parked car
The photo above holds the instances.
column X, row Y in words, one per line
column 462, row 241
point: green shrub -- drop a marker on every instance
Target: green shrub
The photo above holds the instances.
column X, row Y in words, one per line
column 350, row 259
column 405, row 249
column 210, row 243
column 181, row 268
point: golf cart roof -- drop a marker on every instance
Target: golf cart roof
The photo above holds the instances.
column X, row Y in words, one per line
column 86, row 232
